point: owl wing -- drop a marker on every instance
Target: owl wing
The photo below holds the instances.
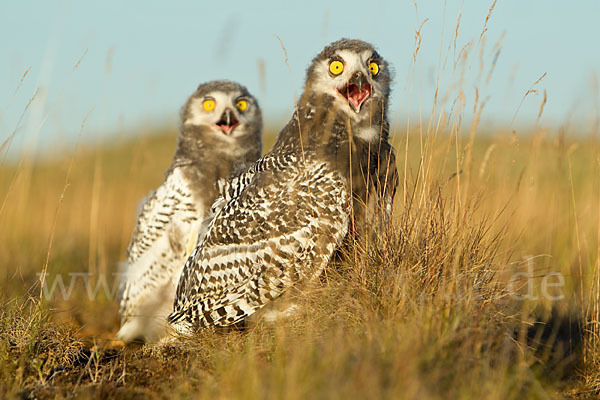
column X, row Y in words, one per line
column 374, row 187
column 386, row 180
column 229, row 188
column 162, row 238
column 281, row 224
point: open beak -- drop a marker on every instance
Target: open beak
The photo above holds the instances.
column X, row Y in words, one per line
column 228, row 121
column 356, row 91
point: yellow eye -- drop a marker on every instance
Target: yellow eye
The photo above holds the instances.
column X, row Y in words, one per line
column 242, row 105
column 374, row 68
column 336, row 67
column 209, row 104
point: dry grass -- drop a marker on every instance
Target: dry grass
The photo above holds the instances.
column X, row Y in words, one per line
column 432, row 309
column 423, row 312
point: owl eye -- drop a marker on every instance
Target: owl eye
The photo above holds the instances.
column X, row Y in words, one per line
column 209, row 104
column 242, row 105
column 374, row 68
column 336, row 67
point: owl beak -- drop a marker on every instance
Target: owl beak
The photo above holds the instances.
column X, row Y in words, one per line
column 228, row 121
column 356, row 91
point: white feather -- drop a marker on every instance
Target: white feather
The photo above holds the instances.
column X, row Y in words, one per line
column 166, row 226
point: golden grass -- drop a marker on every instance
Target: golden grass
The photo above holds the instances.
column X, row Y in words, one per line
column 423, row 312
column 460, row 297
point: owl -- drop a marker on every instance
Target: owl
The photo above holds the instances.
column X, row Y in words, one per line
column 220, row 134
column 277, row 224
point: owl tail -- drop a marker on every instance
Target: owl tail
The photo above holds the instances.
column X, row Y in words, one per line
column 179, row 324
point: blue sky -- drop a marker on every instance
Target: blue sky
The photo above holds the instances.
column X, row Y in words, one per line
column 142, row 59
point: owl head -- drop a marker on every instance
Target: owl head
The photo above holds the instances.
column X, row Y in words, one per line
column 353, row 74
column 225, row 109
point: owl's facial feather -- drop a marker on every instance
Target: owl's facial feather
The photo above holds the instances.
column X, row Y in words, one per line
column 229, row 114
column 360, row 79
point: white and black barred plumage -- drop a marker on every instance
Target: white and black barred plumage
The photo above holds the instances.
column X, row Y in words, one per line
column 278, row 224
column 219, row 136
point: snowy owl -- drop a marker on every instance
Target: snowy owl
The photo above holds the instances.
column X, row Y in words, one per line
column 220, row 134
column 278, row 223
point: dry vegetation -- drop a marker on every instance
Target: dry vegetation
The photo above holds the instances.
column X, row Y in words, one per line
column 431, row 309
column 423, row 312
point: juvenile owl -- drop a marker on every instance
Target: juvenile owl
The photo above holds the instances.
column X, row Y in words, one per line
column 220, row 134
column 278, row 223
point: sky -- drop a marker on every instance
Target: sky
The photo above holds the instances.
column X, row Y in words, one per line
column 127, row 67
